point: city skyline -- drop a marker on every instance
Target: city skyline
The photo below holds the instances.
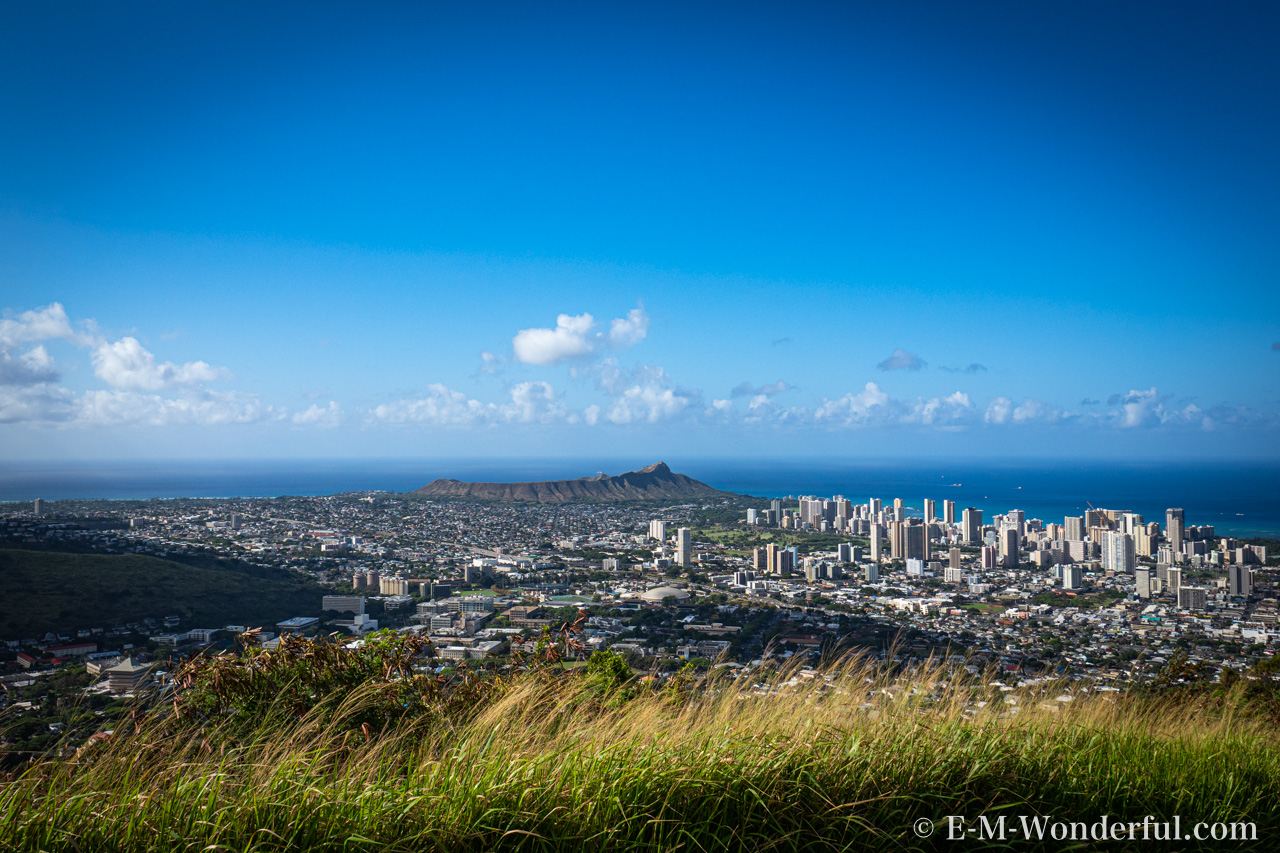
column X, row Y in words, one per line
column 926, row 231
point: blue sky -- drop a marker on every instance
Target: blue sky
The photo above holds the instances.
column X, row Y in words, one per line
column 688, row 229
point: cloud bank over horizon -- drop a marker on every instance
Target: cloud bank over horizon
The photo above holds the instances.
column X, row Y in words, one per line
column 585, row 386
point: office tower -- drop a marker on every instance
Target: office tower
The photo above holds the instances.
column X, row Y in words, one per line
column 1239, row 580
column 1173, row 580
column 1118, row 552
column 1174, row 521
column 1143, row 578
column 877, row 542
column 972, row 526
column 39, row 506
column 845, row 552
column 930, row 510
column 953, row 558
column 684, row 546
column 948, row 512
column 1008, row 541
column 658, row 530
column 1072, row 577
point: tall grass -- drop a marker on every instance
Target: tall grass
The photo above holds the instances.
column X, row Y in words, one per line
column 845, row 759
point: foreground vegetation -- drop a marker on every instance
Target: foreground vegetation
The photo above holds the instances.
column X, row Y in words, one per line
column 320, row 748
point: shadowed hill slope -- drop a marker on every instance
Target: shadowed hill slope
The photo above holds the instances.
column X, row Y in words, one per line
column 53, row 591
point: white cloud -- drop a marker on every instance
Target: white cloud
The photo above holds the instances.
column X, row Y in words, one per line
column 746, row 389
column 127, row 364
column 115, row 408
column 998, row 410
column 903, row 360
column 647, row 403
column 530, row 402
column 630, row 330
column 41, row 324
column 321, row 416
column 575, row 337
column 859, row 409
column 43, row 402
column 440, row 406
column 952, row 409
column 33, row 367
column 534, row 402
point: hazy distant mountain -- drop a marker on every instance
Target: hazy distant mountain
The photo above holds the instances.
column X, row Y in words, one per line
column 653, row 482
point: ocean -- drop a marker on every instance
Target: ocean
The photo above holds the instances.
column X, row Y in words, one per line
column 1241, row 499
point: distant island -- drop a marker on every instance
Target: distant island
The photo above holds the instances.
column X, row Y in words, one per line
column 650, row 483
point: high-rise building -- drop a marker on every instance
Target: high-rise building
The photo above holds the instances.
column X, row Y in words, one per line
column 871, row 573
column 1192, row 597
column 776, row 506
column 972, row 526
column 1072, row 577
column 760, row 560
column 1073, row 528
column 1174, row 521
column 877, row 542
column 953, row 558
column 658, row 530
column 786, row 562
column 771, row 557
column 1118, row 552
column 876, row 506
column 1239, row 580
column 897, row 540
column 39, row 506
column 948, row 512
column 930, row 510
column 684, row 546
column 845, row 552
column 989, row 556
column 752, row 517
column 1009, row 542
column 915, row 540
column 1143, row 578
column 1173, row 580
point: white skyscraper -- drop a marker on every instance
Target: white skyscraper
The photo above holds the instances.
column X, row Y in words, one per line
column 684, row 546
column 658, row 530
column 973, row 526
column 1118, row 552
column 1174, row 520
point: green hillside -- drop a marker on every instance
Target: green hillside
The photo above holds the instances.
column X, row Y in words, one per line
column 55, row 591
